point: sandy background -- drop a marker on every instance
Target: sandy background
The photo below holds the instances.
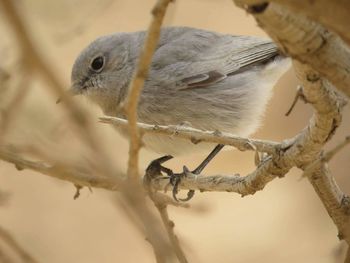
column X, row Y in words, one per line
column 284, row 223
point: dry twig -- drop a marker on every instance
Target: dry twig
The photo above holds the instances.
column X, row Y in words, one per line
column 137, row 83
column 38, row 64
column 198, row 136
column 169, row 226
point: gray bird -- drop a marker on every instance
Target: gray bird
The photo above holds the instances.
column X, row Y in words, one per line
column 208, row 80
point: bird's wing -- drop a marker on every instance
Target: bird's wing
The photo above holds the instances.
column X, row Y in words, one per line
column 197, row 58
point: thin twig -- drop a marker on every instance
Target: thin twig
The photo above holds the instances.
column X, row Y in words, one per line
column 75, row 175
column 137, row 83
column 198, row 136
column 298, row 95
column 130, row 109
column 169, row 226
column 39, row 64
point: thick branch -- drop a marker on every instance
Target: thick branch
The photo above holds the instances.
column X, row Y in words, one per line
column 332, row 14
column 306, row 41
column 335, row 201
column 198, row 136
column 310, row 43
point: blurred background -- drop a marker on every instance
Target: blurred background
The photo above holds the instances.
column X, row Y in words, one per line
column 285, row 222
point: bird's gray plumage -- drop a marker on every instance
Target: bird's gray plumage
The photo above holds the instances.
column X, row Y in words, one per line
column 209, row 80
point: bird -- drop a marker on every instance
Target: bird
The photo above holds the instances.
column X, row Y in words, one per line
column 204, row 79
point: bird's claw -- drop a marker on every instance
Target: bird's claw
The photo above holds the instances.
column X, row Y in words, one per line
column 155, row 168
column 175, row 180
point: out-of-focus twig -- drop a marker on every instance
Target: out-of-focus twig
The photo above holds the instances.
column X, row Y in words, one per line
column 17, row 248
column 137, row 83
column 169, row 226
column 74, row 175
column 130, row 109
column 198, row 136
column 38, row 64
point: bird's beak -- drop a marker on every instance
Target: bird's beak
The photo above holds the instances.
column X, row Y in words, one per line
column 72, row 91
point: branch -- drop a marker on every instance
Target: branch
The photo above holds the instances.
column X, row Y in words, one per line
column 169, row 226
column 335, row 201
column 331, row 14
column 138, row 81
column 310, row 43
column 131, row 105
column 75, row 175
column 305, row 41
column 198, row 136
column 303, row 150
column 40, row 65
column 246, row 185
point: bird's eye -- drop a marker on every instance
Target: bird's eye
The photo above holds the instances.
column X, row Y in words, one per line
column 97, row 63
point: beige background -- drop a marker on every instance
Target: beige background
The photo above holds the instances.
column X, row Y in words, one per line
column 283, row 223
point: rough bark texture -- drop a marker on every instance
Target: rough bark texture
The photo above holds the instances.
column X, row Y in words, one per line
column 332, row 14
column 307, row 42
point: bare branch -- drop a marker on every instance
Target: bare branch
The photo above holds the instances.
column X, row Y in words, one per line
column 38, row 64
column 137, row 83
column 246, row 185
column 331, row 14
column 169, row 226
column 335, row 201
column 151, row 225
column 75, row 175
column 130, row 109
column 305, row 41
column 198, row 136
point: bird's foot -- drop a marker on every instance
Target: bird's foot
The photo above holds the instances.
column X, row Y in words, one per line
column 155, row 168
column 175, row 180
